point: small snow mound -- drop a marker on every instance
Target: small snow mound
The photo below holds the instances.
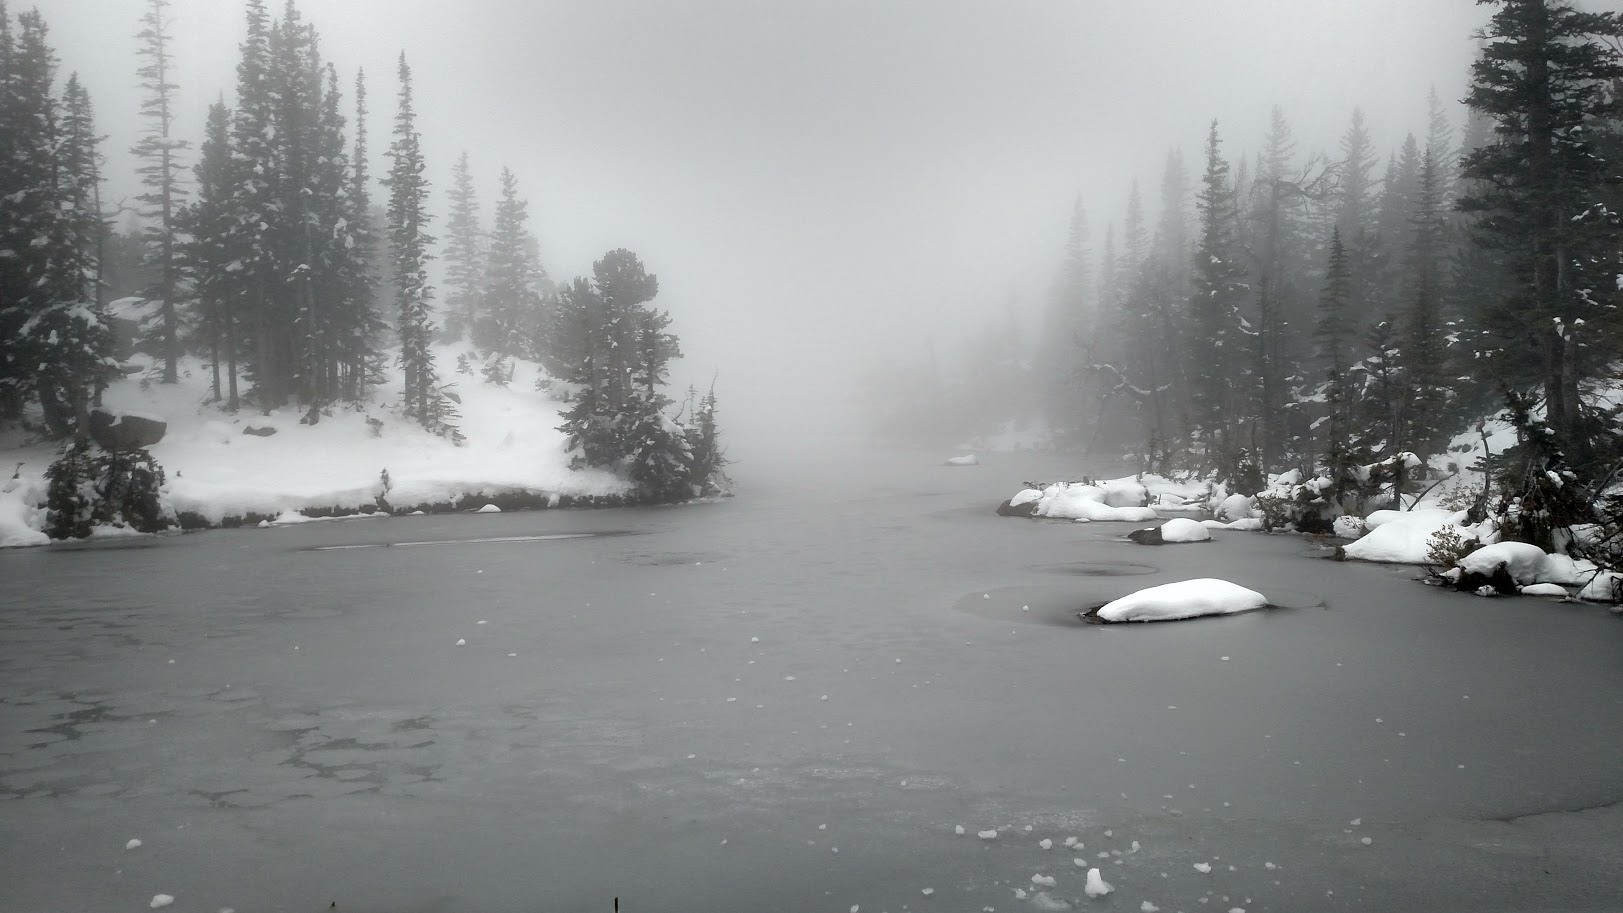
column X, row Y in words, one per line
column 1046, row 881
column 489, row 509
column 1524, row 562
column 1607, row 586
column 1203, row 867
column 1044, row 901
column 965, row 460
column 958, row 829
column 1147, row 907
column 988, row 834
column 1045, row 843
column 461, row 642
column 1249, row 524
column 1184, row 599
column 1096, row 886
column 1182, row 529
column 132, row 844
column 1544, row 589
column 161, row 900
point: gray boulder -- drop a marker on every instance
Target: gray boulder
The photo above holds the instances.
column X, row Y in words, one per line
column 113, row 432
column 266, row 431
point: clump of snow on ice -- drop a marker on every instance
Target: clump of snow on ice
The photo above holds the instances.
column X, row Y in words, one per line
column 965, row 460
column 1096, row 886
column 1044, row 901
column 1019, row 893
column 1184, row 599
column 1203, row 867
column 1147, row 907
column 1070, row 841
column 1182, row 529
column 1046, row 881
column 1110, row 501
column 489, row 509
column 958, row 829
column 132, row 844
column 1046, row 843
column 461, row 642
column 1365, row 841
column 161, row 900
column 1080, row 863
column 927, row 891
column 988, row 834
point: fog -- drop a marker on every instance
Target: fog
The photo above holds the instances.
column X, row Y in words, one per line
column 821, row 186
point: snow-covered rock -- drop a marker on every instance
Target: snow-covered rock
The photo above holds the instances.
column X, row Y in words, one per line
column 489, row 509
column 1404, row 537
column 1544, row 589
column 1184, row 599
column 1524, row 562
column 1606, row 586
column 1077, row 501
column 1180, row 529
column 1233, row 507
column 1096, row 886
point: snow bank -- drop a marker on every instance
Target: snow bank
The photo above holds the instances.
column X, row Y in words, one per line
column 1403, row 537
column 1077, row 501
column 1184, row 599
column 1527, row 564
column 1181, row 529
column 1607, row 586
column 215, row 471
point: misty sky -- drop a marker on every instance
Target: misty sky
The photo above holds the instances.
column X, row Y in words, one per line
column 819, row 183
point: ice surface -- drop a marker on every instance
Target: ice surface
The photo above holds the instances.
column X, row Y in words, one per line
column 1184, row 599
column 1096, row 886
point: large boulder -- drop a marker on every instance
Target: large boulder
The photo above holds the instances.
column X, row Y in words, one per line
column 126, row 431
column 1010, row 509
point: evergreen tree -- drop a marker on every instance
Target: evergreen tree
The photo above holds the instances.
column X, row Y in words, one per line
column 409, row 240
column 1543, row 77
column 1424, row 349
column 362, row 360
column 464, row 253
column 160, row 171
column 1216, row 347
column 707, row 458
column 255, row 206
column 1333, row 336
column 208, row 256
column 508, row 299
column 1065, row 336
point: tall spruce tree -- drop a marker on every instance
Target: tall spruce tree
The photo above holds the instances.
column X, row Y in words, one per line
column 1219, row 287
column 508, row 300
column 255, row 205
column 160, row 171
column 1424, row 350
column 464, row 252
column 422, row 398
column 1333, row 337
column 209, row 257
column 1543, row 77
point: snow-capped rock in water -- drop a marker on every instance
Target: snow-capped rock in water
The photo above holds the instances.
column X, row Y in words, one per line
column 1076, row 501
column 1184, row 599
column 1607, row 586
column 1233, row 507
column 967, row 459
column 1178, row 529
column 1096, row 886
column 1524, row 562
column 489, row 509
column 1544, row 589
column 1404, row 536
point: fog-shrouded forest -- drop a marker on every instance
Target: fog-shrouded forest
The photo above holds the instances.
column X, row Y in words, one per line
column 298, row 212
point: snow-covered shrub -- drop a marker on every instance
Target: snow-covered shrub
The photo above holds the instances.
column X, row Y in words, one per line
column 1447, row 546
column 86, row 490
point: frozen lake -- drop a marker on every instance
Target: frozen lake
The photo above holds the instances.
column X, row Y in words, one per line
column 787, row 702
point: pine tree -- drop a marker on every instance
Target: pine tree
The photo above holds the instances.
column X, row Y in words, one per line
column 591, row 423
column 362, row 361
column 1333, row 335
column 1216, row 347
column 160, row 173
column 67, row 331
column 1356, row 215
column 464, row 253
column 1543, row 77
column 1424, row 349
column 208, row 255
column 409, row 239
column 707, row 458
column 1065, row 332
column 255, row 206
column 508, row 299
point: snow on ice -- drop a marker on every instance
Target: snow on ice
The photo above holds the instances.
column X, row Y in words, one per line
column 1184, row 599
column 1182, row 529
column 1096, row 886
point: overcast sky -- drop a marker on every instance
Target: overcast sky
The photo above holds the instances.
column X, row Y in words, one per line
column 822, row 182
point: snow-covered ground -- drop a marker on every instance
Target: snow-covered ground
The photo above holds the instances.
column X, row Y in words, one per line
column 216, row 471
